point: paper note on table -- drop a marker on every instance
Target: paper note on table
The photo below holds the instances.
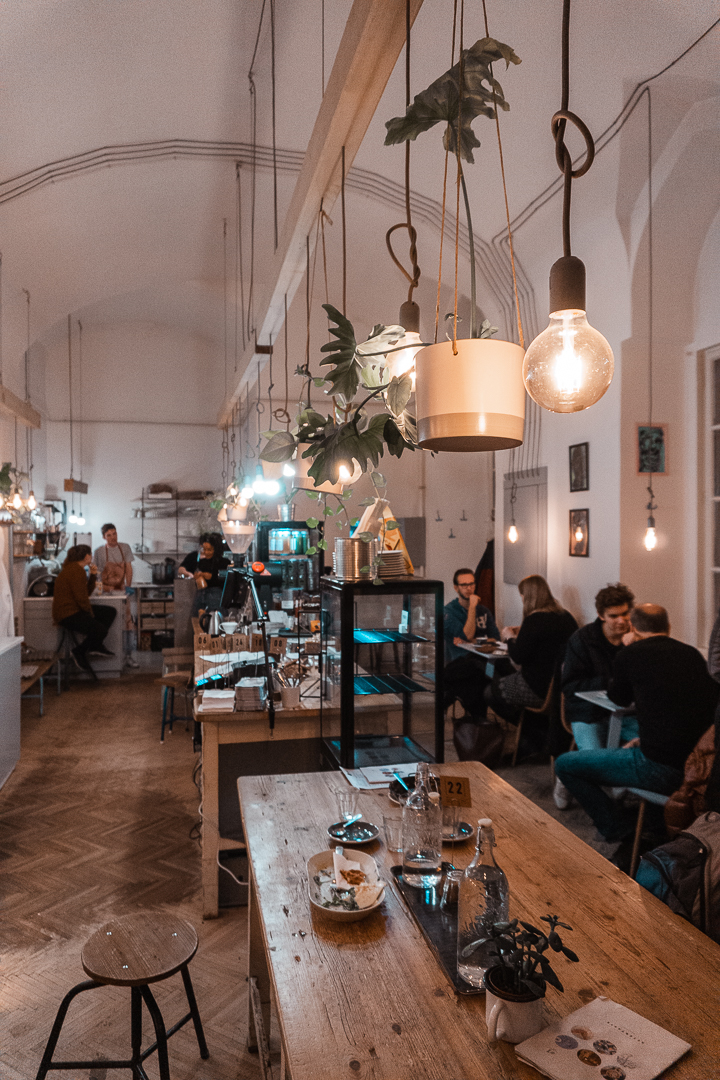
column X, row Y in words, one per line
column 383, row 775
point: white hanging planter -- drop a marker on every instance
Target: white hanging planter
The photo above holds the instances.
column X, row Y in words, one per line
column 471, row 401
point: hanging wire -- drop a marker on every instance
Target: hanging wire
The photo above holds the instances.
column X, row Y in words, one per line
column 225, row 304
column 239, row 277
column 414, row 277
column 651, row 505
column 271, row 384
column 253, row 124
column 344, row 237
column 322, row 38
column 459, row 179
column 274, row 144
column 70, row 394
column 250, row 453
column 28, row 429
column 323, row 218
column 1, row 322
column 444, row 196
column 80, row 388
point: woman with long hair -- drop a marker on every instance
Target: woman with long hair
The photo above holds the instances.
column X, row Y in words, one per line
column 536, row 648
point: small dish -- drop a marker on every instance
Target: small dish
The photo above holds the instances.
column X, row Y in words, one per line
column 359, row 832
column 323, row 862
column 464, row 832
column 397, row 793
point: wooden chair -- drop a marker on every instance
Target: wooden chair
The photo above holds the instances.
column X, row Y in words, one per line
column 536, row 710
column 135, row 951
column 645, row 797
column 568, row 727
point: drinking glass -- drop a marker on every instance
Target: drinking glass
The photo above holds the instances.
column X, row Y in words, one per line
column 347, row 803
column 392, row 827
column 451, row 890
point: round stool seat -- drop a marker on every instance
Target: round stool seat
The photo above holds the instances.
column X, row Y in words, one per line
column 139, row 949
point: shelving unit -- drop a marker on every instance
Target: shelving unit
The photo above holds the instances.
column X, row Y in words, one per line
column 175, row 510
column 156, row 615
column 381, row 671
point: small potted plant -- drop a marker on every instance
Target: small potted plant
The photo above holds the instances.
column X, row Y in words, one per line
column 516, row 985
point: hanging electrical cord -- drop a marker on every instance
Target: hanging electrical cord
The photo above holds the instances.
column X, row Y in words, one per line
column 459, row 178
column 650, row 539
column 444, row 194
column 225, row 305
column 274, row 144
column 239, row 278
column 344, row 236
column 322, row 40
column 414, row 277
column 28, row 430
column 70, row 395
column 253, row 126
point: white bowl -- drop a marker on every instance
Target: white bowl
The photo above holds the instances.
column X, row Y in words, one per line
column 324, row 861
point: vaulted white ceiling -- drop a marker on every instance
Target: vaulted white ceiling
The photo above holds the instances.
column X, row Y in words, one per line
column 121, row 122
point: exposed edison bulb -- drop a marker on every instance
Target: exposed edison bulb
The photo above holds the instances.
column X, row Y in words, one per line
column 258, row 486
column 80, row 520
column 272, row 487
column 17, row 500
column 72, row 517
column 32, row 501
column 402, row 360
column 513, row 534
column 247, row 492
column 569, row 366
column 579, row 534
column 288, row 469
column 650, row 538
column 347, row 477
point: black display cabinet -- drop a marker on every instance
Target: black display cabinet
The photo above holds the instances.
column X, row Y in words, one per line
column 382, row 672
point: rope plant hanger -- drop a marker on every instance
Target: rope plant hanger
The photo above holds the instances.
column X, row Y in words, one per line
column 569, row 366
column 469, row 392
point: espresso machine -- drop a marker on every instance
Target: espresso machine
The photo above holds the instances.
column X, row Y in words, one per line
column 282, row 546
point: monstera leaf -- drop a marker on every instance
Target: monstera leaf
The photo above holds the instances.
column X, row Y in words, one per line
column 349, row 357
column 481, row 94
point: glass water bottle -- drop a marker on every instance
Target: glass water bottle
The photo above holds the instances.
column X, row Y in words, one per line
column 422, row 833
column 483, row 901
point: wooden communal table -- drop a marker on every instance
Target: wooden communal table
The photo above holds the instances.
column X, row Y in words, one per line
column 368, row 999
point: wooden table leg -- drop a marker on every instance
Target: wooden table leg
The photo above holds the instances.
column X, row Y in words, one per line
column 211, row 820
column 257, row 967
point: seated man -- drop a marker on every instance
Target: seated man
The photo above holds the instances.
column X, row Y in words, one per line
column 465, row 620
column 589, row 659
column 72, row 609
column 675, row 700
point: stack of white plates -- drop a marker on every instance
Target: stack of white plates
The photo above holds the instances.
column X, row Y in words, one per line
column 392, row 564
column 250, row 694
column 350, row 556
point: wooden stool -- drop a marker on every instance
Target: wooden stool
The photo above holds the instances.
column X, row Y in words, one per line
column 175, row 680
column 135, row 951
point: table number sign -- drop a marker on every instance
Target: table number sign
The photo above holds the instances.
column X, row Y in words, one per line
column 455, row 791
column 277, row 646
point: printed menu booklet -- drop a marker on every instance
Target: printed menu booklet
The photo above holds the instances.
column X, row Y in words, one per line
column 609, row 1038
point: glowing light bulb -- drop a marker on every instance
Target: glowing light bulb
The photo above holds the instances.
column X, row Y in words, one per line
column 569, row 366
column 288, row 469
column 272, row 487
column 347, row 477
column 243, row 502
column 247, row 492
column 2, row 501
column 259, row 486
column 232, row 491
column 32, row 501
column 17, row 500
column 72, row 517
column 578, row 534
column 650, row 539
column 513, row 534
column 400, row 362
column 80, row 520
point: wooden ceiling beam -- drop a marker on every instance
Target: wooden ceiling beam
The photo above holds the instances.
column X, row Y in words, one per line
column 12, row 405
column 371, row 43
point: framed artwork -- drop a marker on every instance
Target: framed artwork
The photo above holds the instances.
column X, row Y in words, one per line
column 579, row 467
column 580, row 533
column 652, row 448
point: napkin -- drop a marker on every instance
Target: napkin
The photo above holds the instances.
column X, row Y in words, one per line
column 367, row 893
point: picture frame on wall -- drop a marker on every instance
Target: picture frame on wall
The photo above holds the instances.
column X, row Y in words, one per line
column 579, row 456
column 580, row 533
column 652, row 448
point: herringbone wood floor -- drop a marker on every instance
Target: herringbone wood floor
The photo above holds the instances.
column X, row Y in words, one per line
column 96, row 822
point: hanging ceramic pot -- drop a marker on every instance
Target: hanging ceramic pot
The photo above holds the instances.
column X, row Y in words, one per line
column 471, row 401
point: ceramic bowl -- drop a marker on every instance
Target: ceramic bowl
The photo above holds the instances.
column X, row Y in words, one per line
column 324, row 861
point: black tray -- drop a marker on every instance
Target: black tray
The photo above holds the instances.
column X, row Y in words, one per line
column 438, row 927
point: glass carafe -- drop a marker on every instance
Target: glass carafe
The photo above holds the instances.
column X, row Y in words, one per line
column 483, row 900
column 422, row 833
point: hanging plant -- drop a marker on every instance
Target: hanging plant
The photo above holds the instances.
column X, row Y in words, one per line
column 348, row 434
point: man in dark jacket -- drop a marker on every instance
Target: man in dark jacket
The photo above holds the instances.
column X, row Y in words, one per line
column 589, row 659
column 675, row 700
column 466, row 619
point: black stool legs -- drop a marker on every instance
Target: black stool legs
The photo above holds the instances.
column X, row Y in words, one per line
column 138, row 994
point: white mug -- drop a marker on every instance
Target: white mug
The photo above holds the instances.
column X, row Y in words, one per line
column 513, row 1021
column 290, row 697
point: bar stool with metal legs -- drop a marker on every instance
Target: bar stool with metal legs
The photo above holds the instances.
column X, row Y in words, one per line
column 135, row 951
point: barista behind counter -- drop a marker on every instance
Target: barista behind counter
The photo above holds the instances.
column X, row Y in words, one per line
column 205, row 566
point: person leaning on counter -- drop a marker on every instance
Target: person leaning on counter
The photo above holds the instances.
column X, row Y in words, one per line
column 205, row 567
column 71, row 607
column 117, row 556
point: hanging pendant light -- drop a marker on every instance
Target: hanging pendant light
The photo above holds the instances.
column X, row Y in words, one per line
column 569, row 366
column 17, row 502
column 512, row 533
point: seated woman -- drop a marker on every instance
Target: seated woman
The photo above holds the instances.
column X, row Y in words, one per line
column 72, row 609
column 535, row 647
column 205, row 567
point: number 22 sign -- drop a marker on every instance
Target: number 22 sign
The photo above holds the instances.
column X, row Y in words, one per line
column 455, row 791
